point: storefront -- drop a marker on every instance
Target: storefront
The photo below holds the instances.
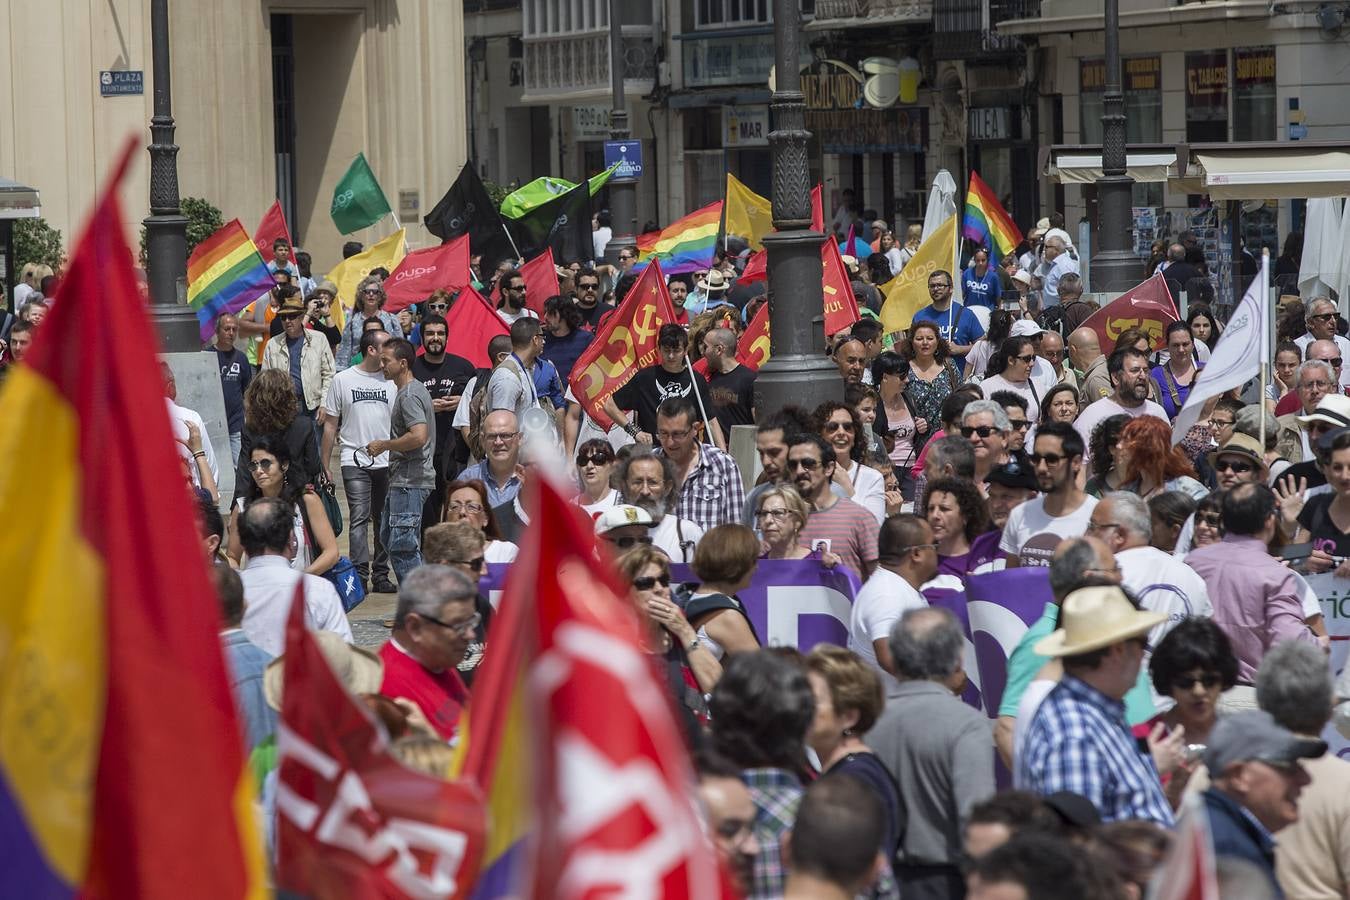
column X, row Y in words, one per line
column 999, row 148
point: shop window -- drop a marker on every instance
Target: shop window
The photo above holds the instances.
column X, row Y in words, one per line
column 720, row 13
column 1141, row 84
column 1207, row 96
column 1254, row 114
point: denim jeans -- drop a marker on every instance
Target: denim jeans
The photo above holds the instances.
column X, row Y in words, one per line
column 366, row 490
column 401, row 528
column 236, row 442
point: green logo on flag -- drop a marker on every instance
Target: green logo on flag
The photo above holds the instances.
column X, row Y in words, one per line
column 358, row 201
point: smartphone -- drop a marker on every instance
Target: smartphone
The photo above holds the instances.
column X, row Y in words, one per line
column 1296, row 551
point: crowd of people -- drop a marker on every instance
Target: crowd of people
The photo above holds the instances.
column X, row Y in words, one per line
column 1184, row 653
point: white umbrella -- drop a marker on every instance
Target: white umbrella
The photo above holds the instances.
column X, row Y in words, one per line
column 1322, row 248
column 1341, row 281
column 941, row 202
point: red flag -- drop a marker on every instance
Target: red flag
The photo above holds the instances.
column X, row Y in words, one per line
column 1188, row 870
column 423, row 271
column 472, row 322
column 624, row 343
column 351, row 820
column 272, row 226
column 841, row 307
column 1148, row 306
column 753, row 348
column 817, row 210
column 756, row 268
column 614, row 814
column 541, row 280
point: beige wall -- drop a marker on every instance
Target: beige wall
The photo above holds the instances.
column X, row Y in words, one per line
column 402, row 102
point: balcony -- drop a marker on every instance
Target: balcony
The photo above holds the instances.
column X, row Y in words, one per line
column 859, row 13
column 574, row 65
column 968, row 29
column 482, row 6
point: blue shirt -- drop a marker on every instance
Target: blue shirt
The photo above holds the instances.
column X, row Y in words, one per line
column 497, row 493
column 963, row 324
column 563, row 352
column 247, row 662
column 982, row 291
column 295, row 348
column 1079, row 742
column 548, row 384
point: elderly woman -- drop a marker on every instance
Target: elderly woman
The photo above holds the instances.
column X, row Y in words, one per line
column 595, row 467
column 468, row 501
column 370, row 298
column 959, row 517
column 780, row 515
column 842, row 428
column 724, row 563
column 271, row 475
column 1010, row 370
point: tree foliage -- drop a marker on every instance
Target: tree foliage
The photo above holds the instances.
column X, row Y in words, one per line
column 36, row 242
column 204, row 219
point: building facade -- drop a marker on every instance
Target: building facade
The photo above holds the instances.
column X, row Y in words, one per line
column 271, row 99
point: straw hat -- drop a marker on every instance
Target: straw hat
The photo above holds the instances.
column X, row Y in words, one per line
column 325, row 287
column 714, row 283
column 1023, row 276
column 1096, row 617
column 360, row 671
column 292, row 306
column 1240, row 445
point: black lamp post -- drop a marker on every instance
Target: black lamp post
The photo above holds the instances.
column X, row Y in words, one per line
column 1115, row 268
column 623, row 191
column 166, row 228
column 797, row 371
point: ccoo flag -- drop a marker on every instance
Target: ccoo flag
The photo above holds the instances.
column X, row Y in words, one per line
column 541, row 190
column 358, row 201
column 122, row 770
column 1236, row 357
column 907, row 293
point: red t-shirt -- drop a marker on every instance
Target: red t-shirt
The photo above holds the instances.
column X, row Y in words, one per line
column 441, row 696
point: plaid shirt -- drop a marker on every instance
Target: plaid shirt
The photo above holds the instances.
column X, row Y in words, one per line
column 1078, row 741
column 777, row 794
column 712, row 493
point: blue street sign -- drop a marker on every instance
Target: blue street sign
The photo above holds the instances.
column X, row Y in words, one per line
column 121, row 83
column 628, row 154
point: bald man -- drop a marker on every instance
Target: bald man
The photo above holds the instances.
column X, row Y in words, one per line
column 1085, row 353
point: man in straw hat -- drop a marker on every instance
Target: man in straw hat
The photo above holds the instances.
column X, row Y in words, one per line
column 1079, row 740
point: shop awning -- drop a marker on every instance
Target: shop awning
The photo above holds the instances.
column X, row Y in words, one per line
column 1086, row 168
column 1259, row 175
column 18, row 201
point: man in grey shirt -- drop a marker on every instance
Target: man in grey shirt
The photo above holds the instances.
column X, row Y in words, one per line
column 411, row 447
column 940, row 751
column 512, row 383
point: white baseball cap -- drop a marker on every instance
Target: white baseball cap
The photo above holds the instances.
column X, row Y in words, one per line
column 1025, row 328
column 620, row 516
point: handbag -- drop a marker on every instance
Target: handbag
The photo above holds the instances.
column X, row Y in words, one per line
column 327, row 492
column 347, row 580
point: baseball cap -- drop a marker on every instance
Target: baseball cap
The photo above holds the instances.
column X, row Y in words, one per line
column 622, row 515
column 1025, row 328
column 1013, row 474
column 1255, row 735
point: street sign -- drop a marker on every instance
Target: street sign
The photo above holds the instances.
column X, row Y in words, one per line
column 121, row 83
column 628, row 154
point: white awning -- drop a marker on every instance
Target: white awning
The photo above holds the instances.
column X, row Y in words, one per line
column 18, row 201
column 1086, row 168
column 1257, row 175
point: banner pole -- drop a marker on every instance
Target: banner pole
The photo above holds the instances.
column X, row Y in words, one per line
column 698, row 396
column 1264, row 294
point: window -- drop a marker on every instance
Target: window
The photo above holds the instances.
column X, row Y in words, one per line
column 730, row 13
column 1207, row 96
column 1254, row 94
column 1141, row 84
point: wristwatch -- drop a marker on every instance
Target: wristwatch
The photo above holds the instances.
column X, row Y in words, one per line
column 631, row 429
column 694, row 645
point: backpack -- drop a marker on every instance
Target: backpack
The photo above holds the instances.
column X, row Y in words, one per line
column 478, row 412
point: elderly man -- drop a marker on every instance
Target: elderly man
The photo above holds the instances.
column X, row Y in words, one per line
column 985, row 424
column 1058, row 263
column 850, row 355
column 647, row 480
column 1129, row 371
column 1316, row 385
column 305, row 354
column 1085, row 353
column 711, row 491
column 434, row 624
column 1051, row 349
column 942, row 768
column 1257, row 772
column 1078, row 740
column 1007, row 486
column 906, row 560
column 1321, row 321
column 500, row 470
column 267, row 532
column 1076, row 310
column 1257, row 601
column 1321, row 351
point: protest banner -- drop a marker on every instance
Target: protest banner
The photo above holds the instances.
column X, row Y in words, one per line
column 1147, row 306
column 1333, row 595
column 423, row 271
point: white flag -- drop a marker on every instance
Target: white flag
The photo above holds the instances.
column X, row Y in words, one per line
column 1237, row 356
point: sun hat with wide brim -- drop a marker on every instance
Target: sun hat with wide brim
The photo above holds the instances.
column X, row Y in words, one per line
column 360, row 671
column 1095, row 617
column 714, row 283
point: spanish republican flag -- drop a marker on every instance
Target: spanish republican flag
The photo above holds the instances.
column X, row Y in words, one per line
column 121, row 763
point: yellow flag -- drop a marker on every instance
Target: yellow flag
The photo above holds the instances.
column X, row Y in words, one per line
column 388, row 253
column 907, row 293
column 748, row 214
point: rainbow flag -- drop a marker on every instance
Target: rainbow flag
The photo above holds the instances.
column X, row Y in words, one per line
column 122, row 770
column 225, row 274
column 986, row 221
column 686, row 245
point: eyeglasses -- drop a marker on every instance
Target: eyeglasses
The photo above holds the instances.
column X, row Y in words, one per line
column 501, row 437
column 1313, row 385
column 627, row 256
column 628, row 542
column 939, row 286
column 1186, row 682
column 1321, row 316
column 594, row 459
column 1101, row 526
column 468, row 626
column 1213, row 520
column 1019, row 424
column 673, row 435
column 1233, row 465
column 838, row 426
column 461, row 506
column 1028, row 358
column 1217, row 424
column 807, row 464
column 648, row 582
column 476, row 563
column 983, row 431
column 261, row 465
column 772, row 513
column 1050, row 459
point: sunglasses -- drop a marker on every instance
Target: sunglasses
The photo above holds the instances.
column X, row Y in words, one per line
column 1233, row 465
column 1028, row 358
column 838, row 426
column 289, row 317
column 627, row 543
column 1213, row 520
column 1322, row 316
column 648, row 582
column 261, row 465
column 589, row 286
column 440, row 306
column 982, row 430
column 1050, row 459
column 1019, row 424
column 1334, row 362
column 476, row 563
column 1186, row 682
column 807, row 464
column 594, row 459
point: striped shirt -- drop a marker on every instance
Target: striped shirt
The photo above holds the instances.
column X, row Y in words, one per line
column 851, row 531
column 1079, row 742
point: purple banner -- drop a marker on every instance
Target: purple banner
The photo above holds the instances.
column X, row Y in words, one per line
column 1000, row 607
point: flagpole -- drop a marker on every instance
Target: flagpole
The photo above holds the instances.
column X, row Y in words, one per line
column 1265, row 336
column 698, row 396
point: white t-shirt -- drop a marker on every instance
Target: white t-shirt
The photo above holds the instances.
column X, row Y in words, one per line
column 461, row 419
column 511, row 318
column 869, row 490
column 178, row 417
column 880, row 603
column 666, row 536
column 500, row 552
column 594, row 509
column 1023, row 390
column 1105, row 408
column 363, row 403
column 1163, row 583
column 1032, row 535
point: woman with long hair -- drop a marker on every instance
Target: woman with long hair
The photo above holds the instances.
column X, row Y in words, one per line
column 1010, row 370
column 272, row 476
column 271, row 410
column 1060, row 404
column 1146, row 463
column 842, row 428
column 1174, row 378
column 896, row 422
column 977, row 360
column 1169, row 512
column 1204, row 330
column 959, row 517
column 932, row 375
column 1285, row 371
column 1106, row 476
column 913, row 238
column 467, row 500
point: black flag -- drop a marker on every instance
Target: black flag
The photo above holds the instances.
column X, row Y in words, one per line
column 467, row 209
column 563, row 223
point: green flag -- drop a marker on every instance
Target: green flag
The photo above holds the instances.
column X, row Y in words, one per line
column 358, row 201
column 540, row 191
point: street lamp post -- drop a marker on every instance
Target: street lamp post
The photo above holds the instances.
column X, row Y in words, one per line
column 166, row 228
column 797, row 372
column 1115, row 268
column 623, row 190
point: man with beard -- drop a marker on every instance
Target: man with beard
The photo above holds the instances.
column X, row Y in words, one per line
column 771, row 444
column 1129, row 372
column 588, row 298
column 835, row 524
column 513, row 305
column 564, row 338
column 1037, row 527
column 445, row 376
column 647, row 481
